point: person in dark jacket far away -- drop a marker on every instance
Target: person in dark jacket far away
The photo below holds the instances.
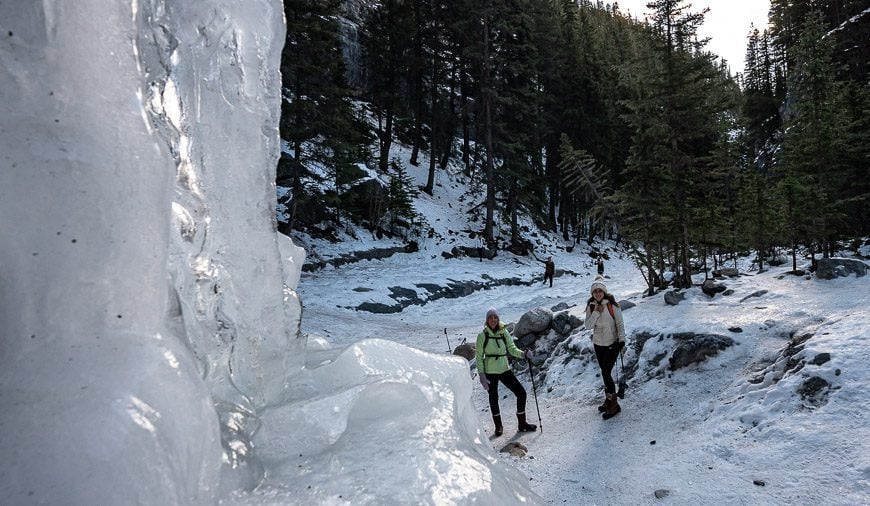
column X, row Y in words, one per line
column 604, row 318
column 549, row 270
column 493, row 345
column 600, row 266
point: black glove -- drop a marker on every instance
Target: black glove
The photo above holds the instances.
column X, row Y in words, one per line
column 620, row 345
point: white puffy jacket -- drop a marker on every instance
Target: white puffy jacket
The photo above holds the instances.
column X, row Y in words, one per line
column 606, row 330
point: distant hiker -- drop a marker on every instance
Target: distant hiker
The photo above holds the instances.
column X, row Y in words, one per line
column 493, row 345
column 604, row 318
column 549, row 270
column 600, row 267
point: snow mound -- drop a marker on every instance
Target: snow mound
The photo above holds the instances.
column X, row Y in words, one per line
column 385, row 412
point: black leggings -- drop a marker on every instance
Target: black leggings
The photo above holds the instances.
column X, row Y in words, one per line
column 513, row 385
column 606, row 356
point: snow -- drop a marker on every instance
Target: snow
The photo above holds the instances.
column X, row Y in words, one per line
column 150, row 314
column 732, row 429
column 704, row 433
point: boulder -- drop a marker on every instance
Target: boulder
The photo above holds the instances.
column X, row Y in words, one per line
column 728, row 272
column 696, row 348
column 830, row 268
column 672, row 297
column 560, row 307
column 535, row 321
column 711, row 288
column 465, row 350
column 562, row 323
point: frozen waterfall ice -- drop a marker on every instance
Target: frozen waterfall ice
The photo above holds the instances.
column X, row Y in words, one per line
column 150, row 349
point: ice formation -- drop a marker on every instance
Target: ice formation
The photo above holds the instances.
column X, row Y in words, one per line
column 150, row 349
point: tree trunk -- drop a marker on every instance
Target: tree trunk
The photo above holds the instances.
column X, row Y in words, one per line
column 487, row 106
column 418, row 86
column 687, row 267
column 386, row 140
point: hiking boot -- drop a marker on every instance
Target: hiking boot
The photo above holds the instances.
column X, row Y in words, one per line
column 499, row 430
column 522, row 426
column 613, row 409
column 603, row 407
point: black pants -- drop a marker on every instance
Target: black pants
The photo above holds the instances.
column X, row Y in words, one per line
column 550, row 277
column 607, row 356
column 513, row 385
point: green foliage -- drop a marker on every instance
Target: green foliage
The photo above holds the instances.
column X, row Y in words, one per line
column 587, row 120
column 402, row 193
column 326, row 139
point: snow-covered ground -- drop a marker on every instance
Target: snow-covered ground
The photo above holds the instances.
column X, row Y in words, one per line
column 733, row 429
column 149, row 315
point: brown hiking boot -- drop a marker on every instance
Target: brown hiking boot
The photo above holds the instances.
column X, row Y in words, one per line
column 603, row 407
column 613, row 409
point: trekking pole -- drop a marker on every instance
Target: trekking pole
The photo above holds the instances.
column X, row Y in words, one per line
column 449, row 348
column 620, row 392
column 535, row 393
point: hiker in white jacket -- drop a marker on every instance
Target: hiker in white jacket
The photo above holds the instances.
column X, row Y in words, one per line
column 604, row 319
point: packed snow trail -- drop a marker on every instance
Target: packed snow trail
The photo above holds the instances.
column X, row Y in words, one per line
column 687, row 435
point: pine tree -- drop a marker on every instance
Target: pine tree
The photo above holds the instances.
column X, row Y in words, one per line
column 675, row 120
column 808, row 168
column 387, row 49
column 317, row 120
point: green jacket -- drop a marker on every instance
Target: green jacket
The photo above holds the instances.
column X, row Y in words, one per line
column 493, row 359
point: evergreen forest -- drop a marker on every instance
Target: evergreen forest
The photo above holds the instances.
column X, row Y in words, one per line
column 591, row 122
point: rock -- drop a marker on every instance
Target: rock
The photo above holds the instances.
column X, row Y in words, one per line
column 662, row 493
column 812, row 387
column 404, row 296
column 760, row 483
column 777, row 261
column 696, row 348
column 378, row 308
column 465, row 350
column 711, row 288
column 830, row 268
column 672, row 297
column 535, row 321
column 758, row 293
column 527, row 341
column 821, row 358
column 515, row 449
column 729, row 272
column 736, row 330
column 473, row 252
column 625, row 305
column 561, row 323
column 575, row 321
column 560, row 307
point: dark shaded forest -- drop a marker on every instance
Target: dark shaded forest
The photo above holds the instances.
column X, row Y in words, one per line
column 590, row 122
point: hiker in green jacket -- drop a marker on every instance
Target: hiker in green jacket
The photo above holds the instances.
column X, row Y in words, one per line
column 493, row 345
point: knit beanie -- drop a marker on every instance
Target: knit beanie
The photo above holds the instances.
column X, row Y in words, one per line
column 598, row 283
column 491, row 312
